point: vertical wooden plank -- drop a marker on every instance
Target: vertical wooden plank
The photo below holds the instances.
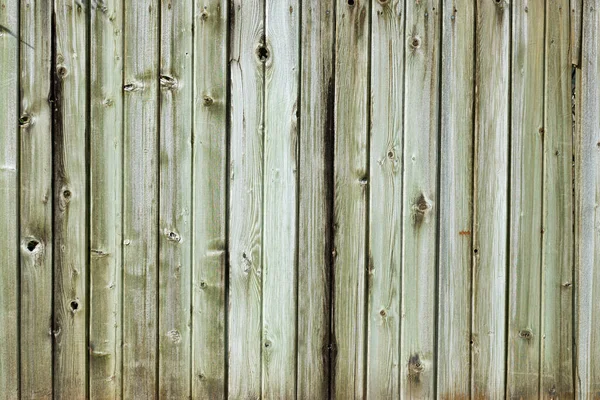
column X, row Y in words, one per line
column 525, row 254
column 456, row 199
column 248, row 52
column 557, row 269
column 280, row 199
column 588, row 284
column 314, row 195
column 490, row 199
column 140, row 229
column 175, row 199
column 36, row 199
column 350, row 197
column 9, row 199
column 575, row 30
column 421, row 121
column 106, row 196
column 385, row 199
column 70, row 199
column 209, row 200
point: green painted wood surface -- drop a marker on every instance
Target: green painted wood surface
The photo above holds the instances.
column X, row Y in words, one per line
column 491, row 198
column 525, row 235
column 209, row 207
column 140, row 199
column 350, row 202
column 9, row 199
column 106, row 200
column 300, row 199
column 175, row 199
column 385, row 200
column 456, row 199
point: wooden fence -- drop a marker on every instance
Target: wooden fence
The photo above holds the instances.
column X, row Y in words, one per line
column 299, row 199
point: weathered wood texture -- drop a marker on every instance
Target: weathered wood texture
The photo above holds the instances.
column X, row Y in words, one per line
column 349, row 199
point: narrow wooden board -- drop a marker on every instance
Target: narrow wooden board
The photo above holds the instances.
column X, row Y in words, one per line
column 140, row 213
column 36, row 199
column 69, row 134
column 351, row 193
column 280, row 218
column 557, row 269
column 106, row 198
column 456, row 199
column 576, row 16
column 175, row 200
column 491, row 200
column 420, row 197
column 385, row 199
column 9, row 198
column 588, row 279
column 314, row 195
column 209, row 209
column 247, row 54
column 527, row 160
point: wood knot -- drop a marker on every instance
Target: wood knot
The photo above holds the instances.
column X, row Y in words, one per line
column 61, row 71
column 207, row 101
column 415, row 366
column 133, row 87
column 415, row 42
column 421, row 208
column 32, row 245
column 174, row 336
column 74, row 306
column 25, row 120
column 168, row 82
column 173, row 236
column 526, row 334
column 262, row 53
column 268, row 344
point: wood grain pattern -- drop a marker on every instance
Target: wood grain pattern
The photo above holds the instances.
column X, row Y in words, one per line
column 587, row 307
column 420, row 201
column 525, row 253
column 209, row 209
column 175, row 199
column 456, row 199
column 248, row 52
column 140, row 212
column 385, row 199
column 557, row 268
column 9, row 199
column 36, row 199
column 70, row 198
column 280, row 219
column 106, row 197
column 314, row 197
column 491, row 200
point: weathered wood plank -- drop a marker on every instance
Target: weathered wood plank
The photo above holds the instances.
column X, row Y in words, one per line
column 421, row 121
column 209, row 200
column 456, row 199
column 280, row 199
column 526, row 154
column 140, row 224
column 576, row 16
column 385, row 199
column 106, row 197
column 314, row 196
column 490, row 200
column 248, row 51
column 9, row 199
column 69, row 116
column 350, row 198
column 175, row 199
column 36, row 199
column 557, row 269
column 588, row 279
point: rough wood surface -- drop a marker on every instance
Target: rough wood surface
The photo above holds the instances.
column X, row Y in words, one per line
column 351, row 185
column 558, row 241
column 385, row 201
column 140, row 211
column 490, row 231
column 175, row 199
column 456, row 199
column 36, row 199
column 106, row 195
column 526, row 155
column 248, row 52
column 69, row 101
column 209, row 208
column 314, row 197
column 280, row 218
column 9, row 199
